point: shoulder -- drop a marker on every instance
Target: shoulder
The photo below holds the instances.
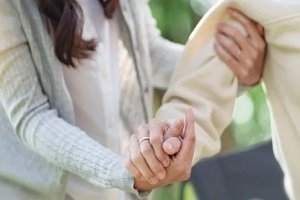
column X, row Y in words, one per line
column 11, row 31
column 7, row 9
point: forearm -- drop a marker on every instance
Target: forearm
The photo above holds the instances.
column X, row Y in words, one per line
column 164, row 58
column 40, row 129
column 203, row 82
column 164, row 53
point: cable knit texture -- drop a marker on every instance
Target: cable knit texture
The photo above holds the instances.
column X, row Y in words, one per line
column 36, row 107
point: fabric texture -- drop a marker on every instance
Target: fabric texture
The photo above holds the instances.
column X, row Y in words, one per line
column 203, row 81
column 39, row 142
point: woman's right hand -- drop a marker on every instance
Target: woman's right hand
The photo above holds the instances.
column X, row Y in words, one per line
column 243, row 54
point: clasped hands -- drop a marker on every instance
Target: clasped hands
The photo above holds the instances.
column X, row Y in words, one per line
column 160, row 153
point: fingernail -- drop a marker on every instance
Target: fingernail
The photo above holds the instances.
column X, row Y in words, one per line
column 161, row 175
column 169, row 146
column 165, row 163
column 153, row 180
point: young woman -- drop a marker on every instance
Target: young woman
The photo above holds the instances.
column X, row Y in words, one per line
column 76, row 78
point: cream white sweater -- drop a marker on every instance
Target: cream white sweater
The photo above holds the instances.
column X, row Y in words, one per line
column 203, row 81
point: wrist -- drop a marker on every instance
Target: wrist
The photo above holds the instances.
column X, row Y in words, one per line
column 142, row 185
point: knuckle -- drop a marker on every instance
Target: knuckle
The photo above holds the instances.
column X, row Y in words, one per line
column 160, row 155
column 133, row 137
column 157, row 167
column 142, row 127
column 148, row 175
column 127, row 163
column 247, row 22
column 262, row 47
column 155, row 139
column 139, row 128
column 136, row 158
column 186, row 175
column 172, row 129
column 230, row 60
column 177, row 126
column 192, row 138
column 146, row 149
column 153, row 123
column 136, row 174
column 231, row 45
column 235, row 33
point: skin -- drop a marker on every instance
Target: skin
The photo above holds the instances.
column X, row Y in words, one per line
column 248, row 65
column 179, row 168
column 152, row 161
column 157, row 158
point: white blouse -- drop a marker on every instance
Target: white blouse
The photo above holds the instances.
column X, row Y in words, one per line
column 94, row 88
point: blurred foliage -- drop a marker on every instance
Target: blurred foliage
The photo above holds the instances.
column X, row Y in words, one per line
column 251, row 124
column 175, row 18
column 251, row 119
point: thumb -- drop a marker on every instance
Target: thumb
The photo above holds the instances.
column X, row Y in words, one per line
column 189, row 138
column 172, row 141
column 172, row 145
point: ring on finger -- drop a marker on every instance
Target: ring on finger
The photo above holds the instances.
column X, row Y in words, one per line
column 143, row 139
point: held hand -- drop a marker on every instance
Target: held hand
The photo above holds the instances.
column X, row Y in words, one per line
column 180, row 166
column 145, row 157
column 244, row 55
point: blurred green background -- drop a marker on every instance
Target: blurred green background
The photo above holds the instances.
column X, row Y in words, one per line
column 250, row 125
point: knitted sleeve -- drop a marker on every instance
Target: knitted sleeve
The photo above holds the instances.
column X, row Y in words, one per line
column 38, row 125
column 164, row 53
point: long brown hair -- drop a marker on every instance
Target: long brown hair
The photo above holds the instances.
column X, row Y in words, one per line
column 65, row 21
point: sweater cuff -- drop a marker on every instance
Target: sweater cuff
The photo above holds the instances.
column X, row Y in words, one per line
column 125, row 181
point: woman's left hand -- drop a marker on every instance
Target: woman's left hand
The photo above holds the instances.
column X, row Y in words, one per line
column 243, row 54
column 180, row 164
column 148, row 152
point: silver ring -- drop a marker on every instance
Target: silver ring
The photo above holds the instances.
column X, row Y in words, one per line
column 238, row 53
column 144, row 138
